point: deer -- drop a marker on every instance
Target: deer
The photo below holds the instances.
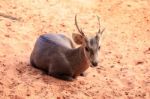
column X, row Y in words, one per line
column 58, row 57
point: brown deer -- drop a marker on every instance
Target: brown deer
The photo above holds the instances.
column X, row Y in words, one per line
column 56, row 54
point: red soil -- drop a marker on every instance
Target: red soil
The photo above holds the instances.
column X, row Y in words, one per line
column 124, row 69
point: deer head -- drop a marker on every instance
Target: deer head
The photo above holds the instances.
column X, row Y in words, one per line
column 91, row 45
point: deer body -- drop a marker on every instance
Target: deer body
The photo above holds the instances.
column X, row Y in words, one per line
column 55, row 57
column 55, row 54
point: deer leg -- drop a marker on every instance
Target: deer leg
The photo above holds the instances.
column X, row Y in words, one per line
column 62, row 76
column 61, row 69
column 83, row 74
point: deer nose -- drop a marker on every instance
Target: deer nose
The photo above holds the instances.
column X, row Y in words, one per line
column 94, row 63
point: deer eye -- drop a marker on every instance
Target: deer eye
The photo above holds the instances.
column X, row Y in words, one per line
column 99, row 47
column 87, row 49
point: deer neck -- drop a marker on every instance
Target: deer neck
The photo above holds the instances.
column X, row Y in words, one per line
column 78, row 59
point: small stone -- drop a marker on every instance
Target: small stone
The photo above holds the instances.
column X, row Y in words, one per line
column 58, row 97
column 126, row 93
column 129, row 5
column 112, row 66
column 28, row 94
column 139, row 62
column 7, row 35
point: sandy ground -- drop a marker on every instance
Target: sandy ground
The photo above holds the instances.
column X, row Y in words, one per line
column 124, row 69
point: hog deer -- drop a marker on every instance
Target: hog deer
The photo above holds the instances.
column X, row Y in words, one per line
column 56, row 54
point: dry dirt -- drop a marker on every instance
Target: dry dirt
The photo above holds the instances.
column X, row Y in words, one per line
column 124, row 69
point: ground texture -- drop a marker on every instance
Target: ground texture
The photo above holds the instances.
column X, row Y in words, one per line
column 124, row 69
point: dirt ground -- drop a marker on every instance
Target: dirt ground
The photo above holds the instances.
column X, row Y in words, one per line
column 124, row 69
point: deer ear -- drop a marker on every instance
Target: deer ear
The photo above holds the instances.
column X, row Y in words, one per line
column 78, row 39
column 99, row 34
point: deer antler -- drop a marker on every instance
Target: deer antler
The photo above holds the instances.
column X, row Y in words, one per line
column 98, row 24
column 99, row 31
column 76, row 23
